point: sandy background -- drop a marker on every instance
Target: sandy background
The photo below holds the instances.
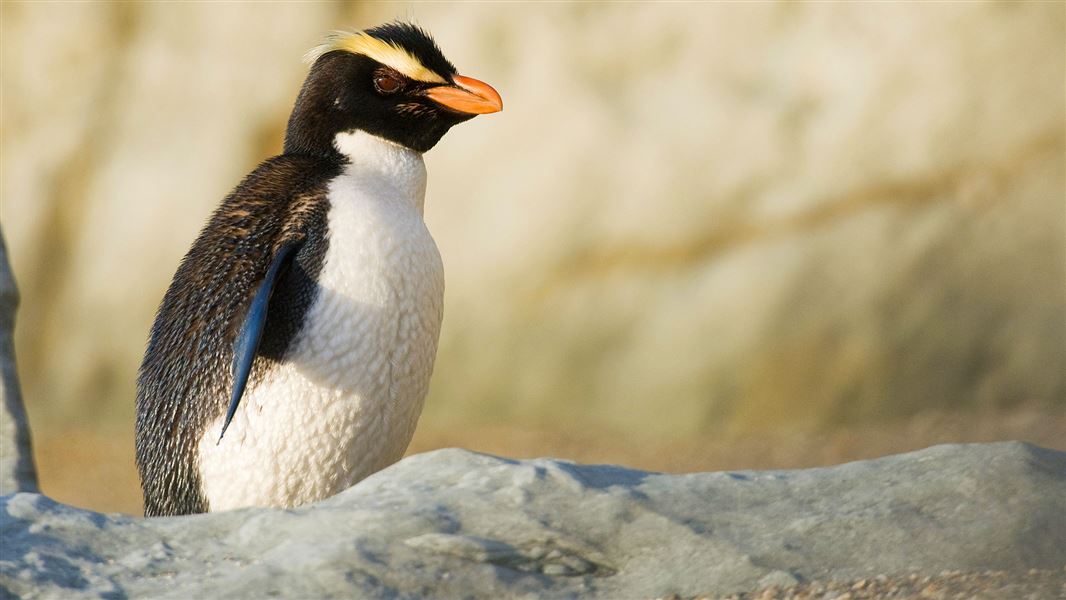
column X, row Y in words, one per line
column 699, row 236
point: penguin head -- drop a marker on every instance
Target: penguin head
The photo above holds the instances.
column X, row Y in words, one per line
column 390, row 81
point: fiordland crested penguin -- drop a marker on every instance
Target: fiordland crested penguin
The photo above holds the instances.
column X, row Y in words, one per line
column 292, row 353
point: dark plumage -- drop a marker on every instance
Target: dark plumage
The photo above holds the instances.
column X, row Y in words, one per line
column 185, row 378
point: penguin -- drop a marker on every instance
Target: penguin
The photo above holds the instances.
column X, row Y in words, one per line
column 291, row 355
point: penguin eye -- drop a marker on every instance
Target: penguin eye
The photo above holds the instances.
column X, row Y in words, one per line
column 387, row 84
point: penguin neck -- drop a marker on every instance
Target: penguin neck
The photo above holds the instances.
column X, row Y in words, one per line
column 377, row 162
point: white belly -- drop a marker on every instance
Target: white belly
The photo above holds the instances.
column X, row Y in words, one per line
column 346, row 399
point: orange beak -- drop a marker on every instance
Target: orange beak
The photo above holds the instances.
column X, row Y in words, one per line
column 468, row 95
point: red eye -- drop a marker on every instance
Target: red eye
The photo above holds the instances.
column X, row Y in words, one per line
column 387, row 84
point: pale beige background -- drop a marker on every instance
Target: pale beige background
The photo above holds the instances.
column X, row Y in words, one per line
column 692, row 221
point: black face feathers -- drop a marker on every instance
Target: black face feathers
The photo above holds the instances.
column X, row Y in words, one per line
column 378, row 81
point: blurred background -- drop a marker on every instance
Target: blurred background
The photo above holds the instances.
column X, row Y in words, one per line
column 700, row 236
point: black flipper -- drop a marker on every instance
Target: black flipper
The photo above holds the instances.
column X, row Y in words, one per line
column 247, row 343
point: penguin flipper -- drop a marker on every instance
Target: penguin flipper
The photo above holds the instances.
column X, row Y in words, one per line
column 247, row 342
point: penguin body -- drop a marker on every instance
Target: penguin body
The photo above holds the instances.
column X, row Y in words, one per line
column 344, row 402
column 291, row 355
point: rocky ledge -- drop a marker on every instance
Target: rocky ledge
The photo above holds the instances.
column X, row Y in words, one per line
column 453, row 523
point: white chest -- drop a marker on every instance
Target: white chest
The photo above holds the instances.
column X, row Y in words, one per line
column 345, row 402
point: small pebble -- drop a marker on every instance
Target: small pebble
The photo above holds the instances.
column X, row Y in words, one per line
column 557, row 569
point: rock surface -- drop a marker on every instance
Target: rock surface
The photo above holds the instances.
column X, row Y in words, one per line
column 452, row 523
column 16, row 458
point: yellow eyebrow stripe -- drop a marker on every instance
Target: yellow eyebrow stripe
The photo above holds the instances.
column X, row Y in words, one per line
column 383, row 52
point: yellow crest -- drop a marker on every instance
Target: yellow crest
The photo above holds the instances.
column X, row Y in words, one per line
column 385, row 53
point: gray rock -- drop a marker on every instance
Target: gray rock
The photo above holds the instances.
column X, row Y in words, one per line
column 452, row 523
column 17, row 473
